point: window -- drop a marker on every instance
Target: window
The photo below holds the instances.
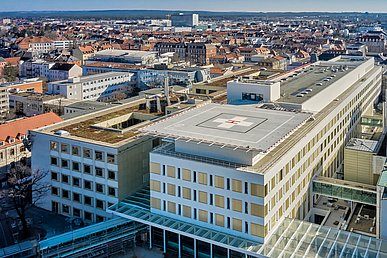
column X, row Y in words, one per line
column 237, row 185
column 111, row 158
column 99, row 188
column 54, row 191
column 76, row 197
column 76, row 182
column 76, row 150
column 99, row 218
column 246, row 188
column 88, row 216
column 228, row 183
column 87, row 185
column 111, row 175
column 228, row 203
column 64, row 148
column 228, row 222
column 219, row 182
column 112, row 191
column 99, row 204
column 53, row 146
column 178, row 173
column 54, row 161
column 171, row 189
column 202, row 178
column 65, row 208
column 98, row 155
column 211, row 183
column 88, row 200
column 65, row 179
column 203, row 197
column 64, row 163
column 186, row 174
column 87, row 153
column 194, row 176
column 54, row 176
column 76, row 166
column 99, row 172
column 65, row 194
column 194, row 195
column 76, row 212
column 211, row 199
column 219, row 201
column 86, row 169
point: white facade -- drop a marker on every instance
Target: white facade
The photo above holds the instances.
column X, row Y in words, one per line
column 246, row 90
column 250, row 201
column 63, row 44
column 81, row 186
column 93, row 87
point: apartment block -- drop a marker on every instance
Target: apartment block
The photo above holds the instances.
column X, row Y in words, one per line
column 12, row 148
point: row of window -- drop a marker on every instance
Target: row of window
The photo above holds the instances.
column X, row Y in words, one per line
column 79, row 198
column 87, row 153
column 88, row 185
column 66, row 209
column 209, row 217
column 203, row 178
column 87, row 169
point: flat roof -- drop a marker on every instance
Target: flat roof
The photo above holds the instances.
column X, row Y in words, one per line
column 237, row 126
column 362, row 145
column 309, row 77
column 90, row 78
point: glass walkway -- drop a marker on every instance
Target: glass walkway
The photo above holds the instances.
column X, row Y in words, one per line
column 345, row 190
column 103, row 238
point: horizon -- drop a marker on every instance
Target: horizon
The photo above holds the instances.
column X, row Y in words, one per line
column 254, row 6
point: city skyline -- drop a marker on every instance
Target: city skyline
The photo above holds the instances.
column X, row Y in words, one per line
column 200, row 5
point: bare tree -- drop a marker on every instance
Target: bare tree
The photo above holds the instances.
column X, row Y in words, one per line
column 25, row 188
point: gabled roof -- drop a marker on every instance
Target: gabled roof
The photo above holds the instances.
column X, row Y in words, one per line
column 21, row 126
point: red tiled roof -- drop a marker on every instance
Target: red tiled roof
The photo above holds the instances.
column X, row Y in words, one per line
column 22, row 126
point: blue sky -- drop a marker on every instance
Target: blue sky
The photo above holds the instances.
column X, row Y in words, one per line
column 210, row 5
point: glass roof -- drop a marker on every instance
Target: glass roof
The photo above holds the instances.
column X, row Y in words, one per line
column 292, row 238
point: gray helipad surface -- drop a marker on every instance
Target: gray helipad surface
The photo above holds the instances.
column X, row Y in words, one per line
column 239, row 126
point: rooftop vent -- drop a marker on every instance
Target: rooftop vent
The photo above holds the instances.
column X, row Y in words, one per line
column 62, row 133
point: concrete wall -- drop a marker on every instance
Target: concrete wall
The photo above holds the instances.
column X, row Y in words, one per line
column 133, row 166
column 358, row 166
column 235, row 89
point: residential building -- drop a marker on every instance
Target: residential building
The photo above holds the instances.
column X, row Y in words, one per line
column 84, row 53
column 12, row 134
column 36, row 44
column 101, row 87
column 376, row 41
column 194, row 53
column 63, row 71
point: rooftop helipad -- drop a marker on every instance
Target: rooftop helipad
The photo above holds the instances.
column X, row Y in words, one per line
column 247, row 127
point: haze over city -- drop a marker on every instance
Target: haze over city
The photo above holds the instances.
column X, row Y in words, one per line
column 214, row 5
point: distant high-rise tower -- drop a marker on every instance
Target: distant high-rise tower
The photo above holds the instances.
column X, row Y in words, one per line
column 185, row 20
